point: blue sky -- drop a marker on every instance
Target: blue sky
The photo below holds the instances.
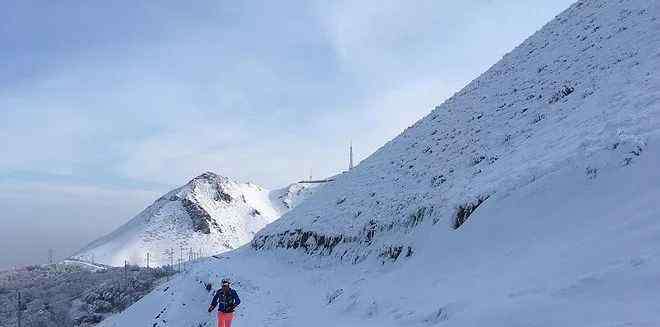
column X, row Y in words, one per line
column 106, row 105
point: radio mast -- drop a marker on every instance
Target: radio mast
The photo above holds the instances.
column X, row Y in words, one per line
column 350, row 156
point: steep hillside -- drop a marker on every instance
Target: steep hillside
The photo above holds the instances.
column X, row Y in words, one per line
column 563, row 251
column 583, row 90
column 211, row 214
column 526, row 199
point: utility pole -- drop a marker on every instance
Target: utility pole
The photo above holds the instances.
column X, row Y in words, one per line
column 125, row 272
column 19, row 314
column 50, row 256
column 170, row 254
column 180, row 257
column 147, row 259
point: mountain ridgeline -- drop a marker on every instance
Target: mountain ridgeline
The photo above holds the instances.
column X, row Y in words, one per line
column 210, row 214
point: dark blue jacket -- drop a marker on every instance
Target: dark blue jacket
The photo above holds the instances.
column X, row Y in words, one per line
column 225, row 303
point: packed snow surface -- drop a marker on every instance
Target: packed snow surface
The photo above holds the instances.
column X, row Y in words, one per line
column 529, row 198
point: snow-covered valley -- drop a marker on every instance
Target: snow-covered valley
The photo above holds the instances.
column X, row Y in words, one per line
column 529, row 198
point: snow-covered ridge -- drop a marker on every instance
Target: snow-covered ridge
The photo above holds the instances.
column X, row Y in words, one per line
column 210, row 214
column 583, row 90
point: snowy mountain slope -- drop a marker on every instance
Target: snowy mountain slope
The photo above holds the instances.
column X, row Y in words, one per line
column 583, row 89
column 211, row 214
column 289, row 197
column 563, row 251
column 527, row 199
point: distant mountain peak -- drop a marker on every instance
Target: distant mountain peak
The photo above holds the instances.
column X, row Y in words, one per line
column 210, row 176
column 211, row 213
column 217, row 187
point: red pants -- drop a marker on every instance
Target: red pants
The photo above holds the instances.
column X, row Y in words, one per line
column 224, row 319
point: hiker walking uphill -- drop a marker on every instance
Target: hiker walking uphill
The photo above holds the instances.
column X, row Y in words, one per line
column 227, row 300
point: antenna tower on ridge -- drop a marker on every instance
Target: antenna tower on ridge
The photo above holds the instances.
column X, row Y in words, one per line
column 350, row 156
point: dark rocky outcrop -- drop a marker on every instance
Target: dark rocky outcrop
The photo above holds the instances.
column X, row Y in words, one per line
column 200, row 218
column 354, row 248
column 464, row 211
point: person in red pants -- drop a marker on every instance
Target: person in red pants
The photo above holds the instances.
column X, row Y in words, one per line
column 227, row 300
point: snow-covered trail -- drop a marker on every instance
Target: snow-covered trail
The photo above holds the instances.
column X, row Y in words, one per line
column 274, row 293
column 564, row 251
